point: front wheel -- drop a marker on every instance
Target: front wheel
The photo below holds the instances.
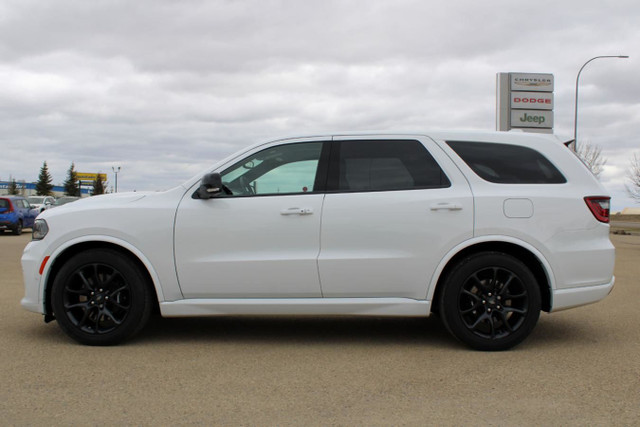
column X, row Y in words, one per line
column 100, row 297
column 490, row 301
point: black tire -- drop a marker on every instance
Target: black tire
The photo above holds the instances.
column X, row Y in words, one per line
column 18, row 230
column 490, row 301
column 100, row 297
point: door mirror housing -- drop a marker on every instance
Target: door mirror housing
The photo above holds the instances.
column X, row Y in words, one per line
column 210, row 187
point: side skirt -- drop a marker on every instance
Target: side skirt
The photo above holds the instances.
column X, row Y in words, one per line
column 297, row 306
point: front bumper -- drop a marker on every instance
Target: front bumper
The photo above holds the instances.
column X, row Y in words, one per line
column 31, row 261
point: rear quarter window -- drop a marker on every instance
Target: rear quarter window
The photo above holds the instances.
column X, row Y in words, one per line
column 507, row 164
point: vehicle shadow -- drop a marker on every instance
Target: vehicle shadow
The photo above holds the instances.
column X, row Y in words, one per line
column 299, row 329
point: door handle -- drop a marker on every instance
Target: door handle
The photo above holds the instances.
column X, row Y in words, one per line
column 296, row 211
column 446, row 206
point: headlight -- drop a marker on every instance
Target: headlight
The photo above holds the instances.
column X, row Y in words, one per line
column 40, row 229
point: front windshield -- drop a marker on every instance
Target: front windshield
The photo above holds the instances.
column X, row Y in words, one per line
column 35, row 200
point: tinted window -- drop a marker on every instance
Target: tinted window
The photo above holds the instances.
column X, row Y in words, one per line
column 284, row 169
column 383, row 165
column 507, row 164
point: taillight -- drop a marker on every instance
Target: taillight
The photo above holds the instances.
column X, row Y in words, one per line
column 599, row 206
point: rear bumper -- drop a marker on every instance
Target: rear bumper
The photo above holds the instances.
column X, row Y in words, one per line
column 575, row 297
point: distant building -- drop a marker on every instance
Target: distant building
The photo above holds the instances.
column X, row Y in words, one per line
column 29, row 189
column 630, row 211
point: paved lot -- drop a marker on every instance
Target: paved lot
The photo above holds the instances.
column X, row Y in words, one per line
column 580, row 367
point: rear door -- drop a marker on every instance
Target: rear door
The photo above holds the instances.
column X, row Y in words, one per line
column 394, row 207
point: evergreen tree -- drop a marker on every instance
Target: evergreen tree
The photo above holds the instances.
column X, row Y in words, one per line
column 13, row 187
column 71, row 187
column 98, row 186
column 44, row 185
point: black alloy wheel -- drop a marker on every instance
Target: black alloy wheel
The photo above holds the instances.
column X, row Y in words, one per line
column 101, row 297
column 491, row 301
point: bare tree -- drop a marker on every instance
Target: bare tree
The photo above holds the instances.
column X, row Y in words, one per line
column 591, row 155
column 633, row 174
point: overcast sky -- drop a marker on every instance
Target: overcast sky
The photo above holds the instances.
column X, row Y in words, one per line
column 163, row 89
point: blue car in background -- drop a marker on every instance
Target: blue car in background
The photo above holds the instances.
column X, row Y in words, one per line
column 16, row 213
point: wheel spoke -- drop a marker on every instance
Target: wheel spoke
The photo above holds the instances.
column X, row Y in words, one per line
column 480, row 319
column 85, row 317
column 505, row 321
column 69, row 307
column 471, row 294
column 506, row 284
column 492, row 326
column 85, row 281
column 118, row 305
column 494, row 279
column 514, row 310
column 113, row 294
column 469, row 310
column 109, row 314
column 82, row 292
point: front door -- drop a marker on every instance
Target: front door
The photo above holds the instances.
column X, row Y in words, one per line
column 263, row 239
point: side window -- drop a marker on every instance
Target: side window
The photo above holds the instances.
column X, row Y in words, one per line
column 285, row 169
column 383, row 165
column 507, row 164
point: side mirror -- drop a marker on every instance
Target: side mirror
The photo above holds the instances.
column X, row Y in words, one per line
column 210, row 187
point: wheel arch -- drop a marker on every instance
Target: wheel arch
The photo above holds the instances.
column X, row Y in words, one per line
column 72, row 248
column 524, row 252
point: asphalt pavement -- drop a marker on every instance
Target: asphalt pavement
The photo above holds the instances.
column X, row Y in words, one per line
column 579, row 367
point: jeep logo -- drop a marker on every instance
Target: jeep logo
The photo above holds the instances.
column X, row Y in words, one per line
column 535, row 119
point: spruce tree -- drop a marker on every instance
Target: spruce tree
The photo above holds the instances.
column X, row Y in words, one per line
column 98, row 186
column 44, row 185
column 13, row 187
column 71, row 187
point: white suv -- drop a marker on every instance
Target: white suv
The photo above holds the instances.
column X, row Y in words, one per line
column 486, row 229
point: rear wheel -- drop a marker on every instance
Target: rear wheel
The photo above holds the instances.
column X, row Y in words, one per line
column 100, row 297
column 490, row 301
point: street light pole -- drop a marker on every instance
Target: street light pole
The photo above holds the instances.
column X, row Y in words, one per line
column 575, row 119
column 115, row 171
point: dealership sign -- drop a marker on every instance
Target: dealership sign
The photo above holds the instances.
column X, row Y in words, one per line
column 532, row 100
column 531, row 119
column 87, row 176
column 525, row 101
column 531, row 82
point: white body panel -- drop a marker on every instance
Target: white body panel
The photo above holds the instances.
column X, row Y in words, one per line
column 248, row 247
column 388, row 243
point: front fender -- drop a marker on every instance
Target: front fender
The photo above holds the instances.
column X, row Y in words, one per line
column 100, row 239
